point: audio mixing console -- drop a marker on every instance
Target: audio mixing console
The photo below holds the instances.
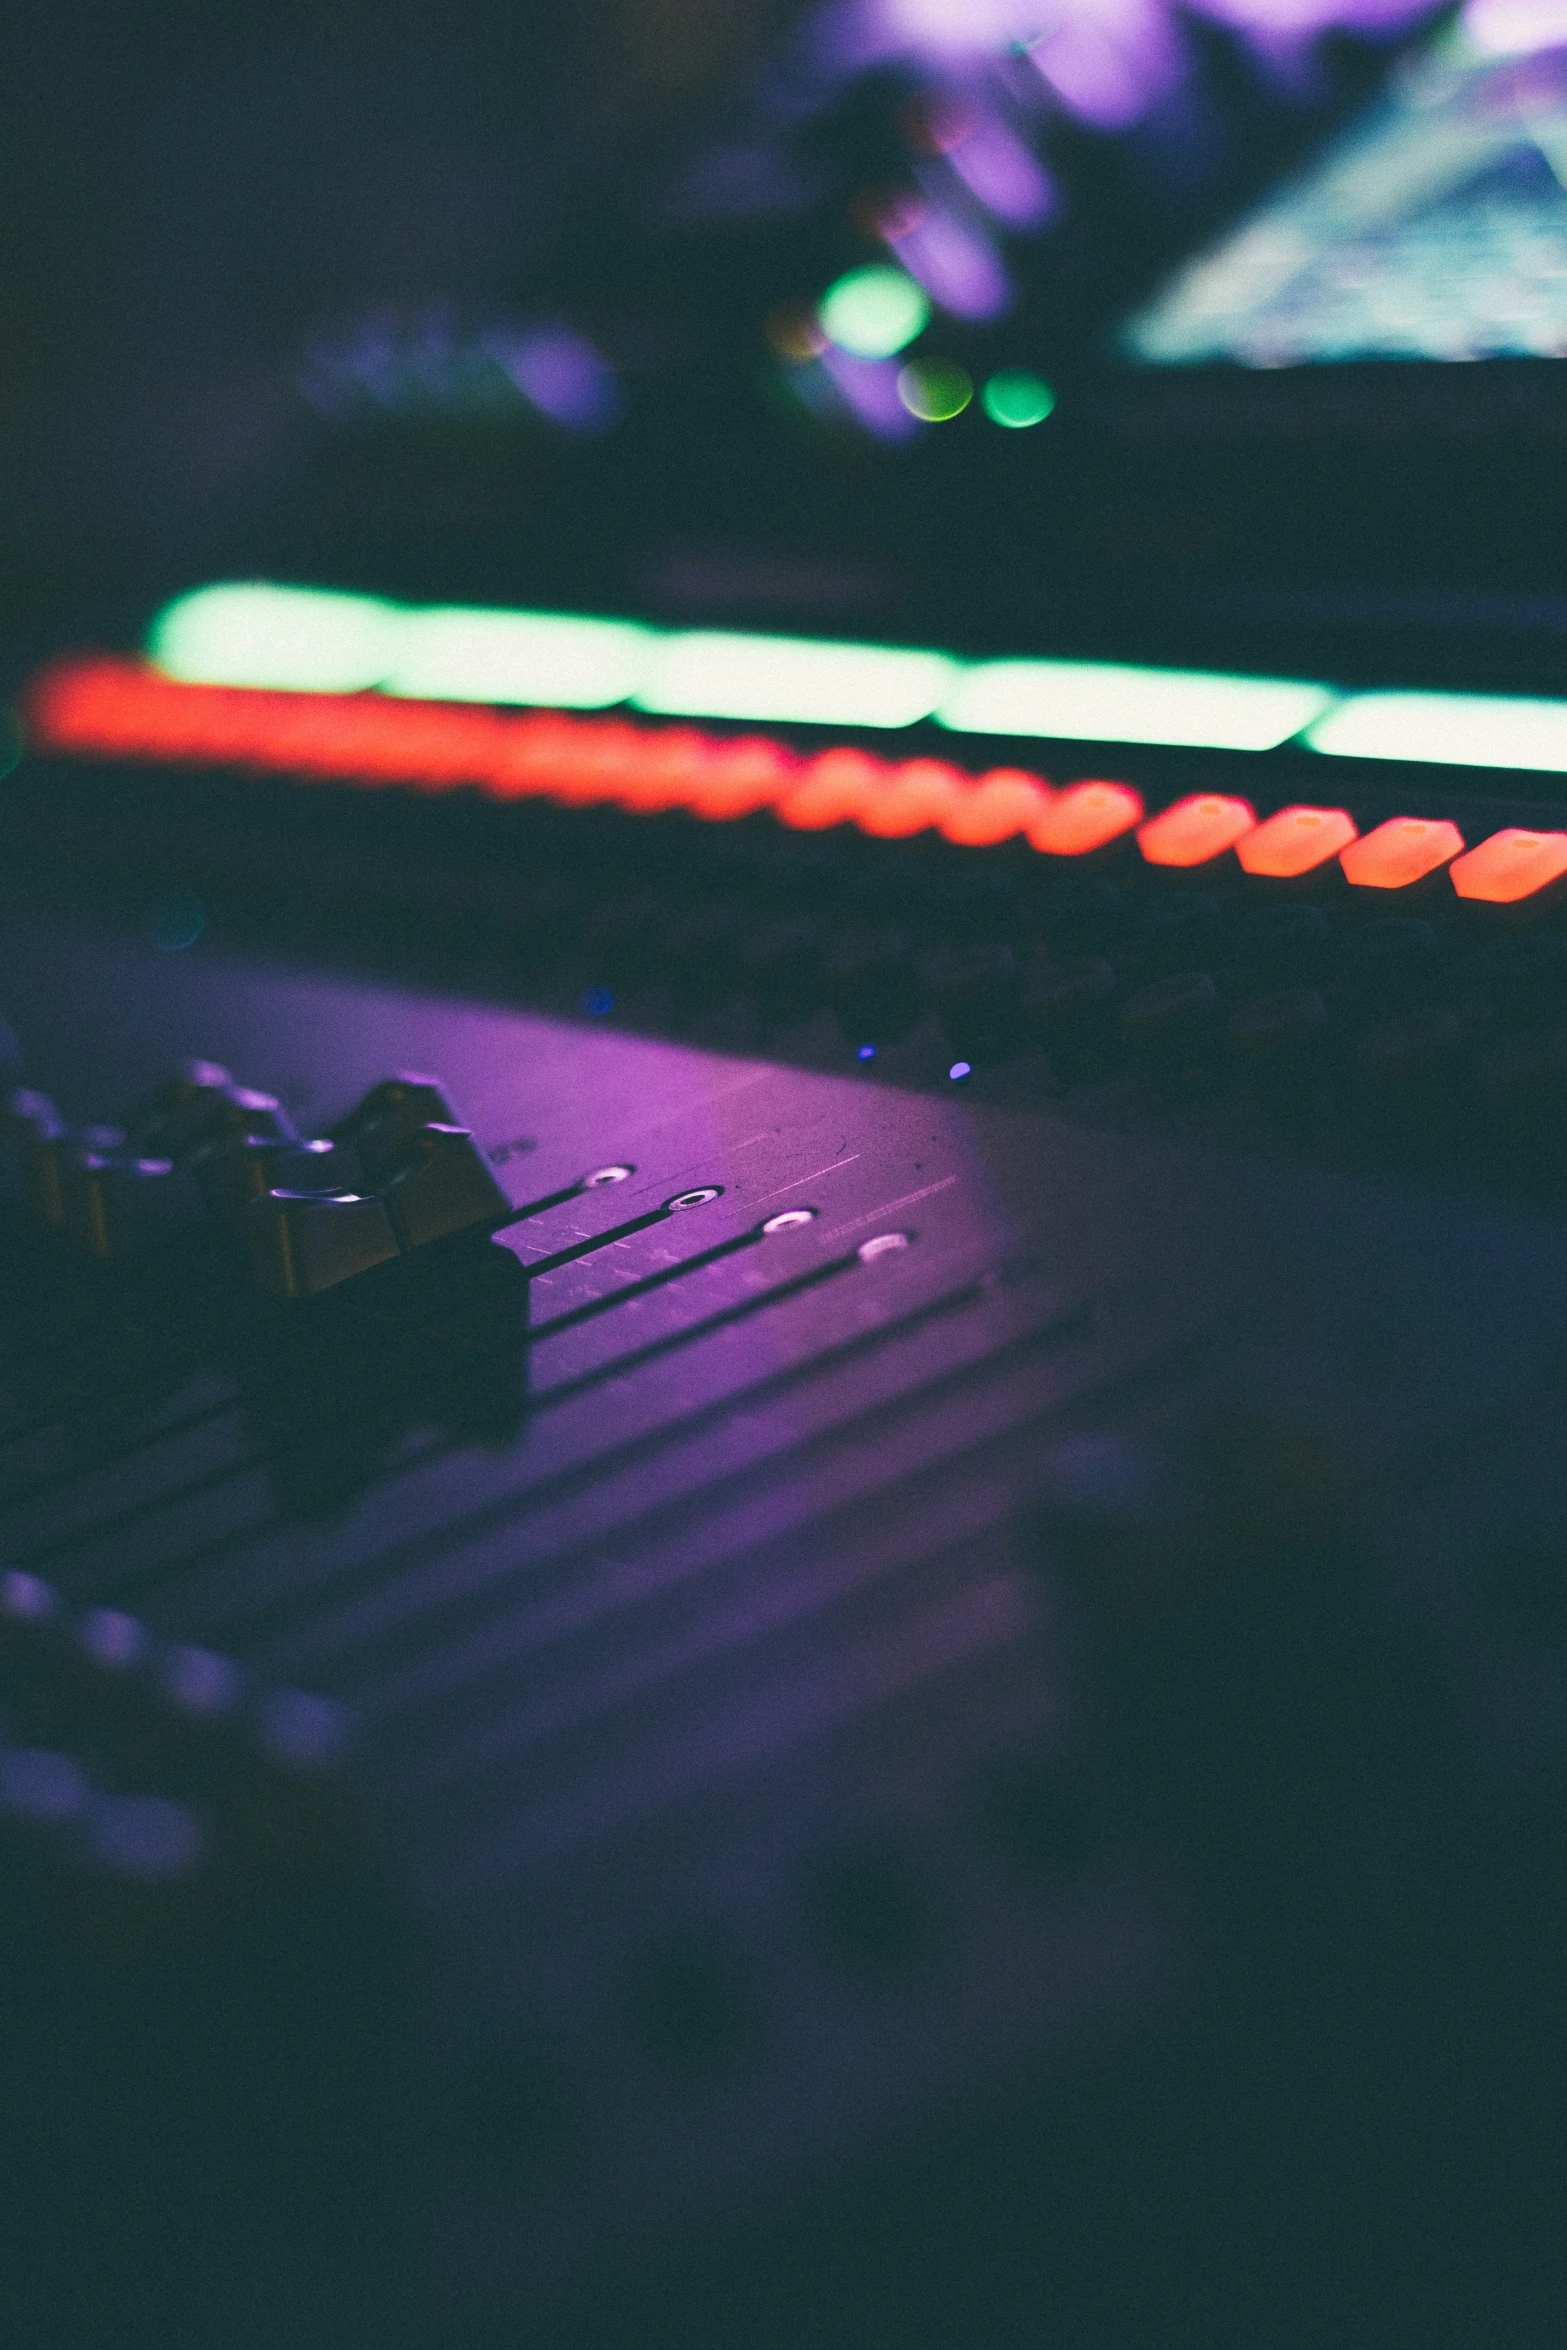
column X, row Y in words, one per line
column 776, row 1706
column 783, row 1178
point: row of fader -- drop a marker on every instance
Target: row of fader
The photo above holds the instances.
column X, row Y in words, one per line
column 396, row 1174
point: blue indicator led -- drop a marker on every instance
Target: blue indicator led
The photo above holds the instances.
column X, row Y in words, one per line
column 960, row 1070
column 867, row 1052
column 598, row 1001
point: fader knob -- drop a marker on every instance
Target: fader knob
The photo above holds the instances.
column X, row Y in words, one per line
column 234, row 1176
column 186, row 1119
column 46, row 1159
column 380, row 1126
column 169, row 1115
column 115, row 1206
column 304, row 1242
column 26, row 1116
column 443, row 1185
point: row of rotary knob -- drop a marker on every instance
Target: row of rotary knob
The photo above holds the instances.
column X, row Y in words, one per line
column 147, row 1784
column 398, row 1173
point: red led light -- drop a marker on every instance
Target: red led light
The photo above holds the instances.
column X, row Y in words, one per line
column 1402, row 851
column 107, row 707
column 1512, row 864
column 534, row 751
column 1196, row 830
column 833, row 789
column 1085, row 817
column 1295, row 841
column 667, row 771
column 605, row 759
column 914, row 797
column 996, row 807
column 742, row 777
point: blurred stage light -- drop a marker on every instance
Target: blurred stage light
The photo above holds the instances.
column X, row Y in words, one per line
column 1452, row 730
column 563, row 375
column 318, row 641
column 874, row 311
column 1102, row 701
column 304, row 639
column 457, row 655
column 710, row 674
column 934, row 390
column 1016, row 399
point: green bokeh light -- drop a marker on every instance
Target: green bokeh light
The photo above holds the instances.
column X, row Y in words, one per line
column 874, row 311
column 302, row 640
column 716, row 673
column 1451, row 730
column 1113, row 702
column 1015, row 398
column 453, row 654
column 935, row 389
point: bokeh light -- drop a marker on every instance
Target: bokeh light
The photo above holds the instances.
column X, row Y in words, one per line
column 935, row 390
column 247, row 632
column 874, row 311
column 450, row 653
column 795, row 333
column 1015, row 398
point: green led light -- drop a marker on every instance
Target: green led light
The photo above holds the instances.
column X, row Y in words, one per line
column 934, row 389
column 709, row 674
column 450, row 654
column 874, row 311
column 300, row 640
column 308, row 640
column 1102, row 701
column 1451, row 730
column 1015, row 398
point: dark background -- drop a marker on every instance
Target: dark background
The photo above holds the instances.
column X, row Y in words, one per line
column 190, row 195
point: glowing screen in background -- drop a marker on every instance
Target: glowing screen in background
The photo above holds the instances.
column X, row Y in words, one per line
column 1436, row 229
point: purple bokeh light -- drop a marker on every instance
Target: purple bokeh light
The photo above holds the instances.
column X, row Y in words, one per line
column 559, row 371
column 954, row 260
column 1001, row 172
column 869, row 389
column 1110, row 63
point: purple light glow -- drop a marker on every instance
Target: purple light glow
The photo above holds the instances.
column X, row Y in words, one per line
column 1107, row 61
column 1269, row 20
column 1110, row 61
column 431, row 360
column 869, row 388
column 955, row 262
column 1000, row 171
column 564, row 377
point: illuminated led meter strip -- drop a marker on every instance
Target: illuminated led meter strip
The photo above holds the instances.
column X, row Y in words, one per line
column 309, row 640
column 312, row 640
column 312, row 682
column 103, row 707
